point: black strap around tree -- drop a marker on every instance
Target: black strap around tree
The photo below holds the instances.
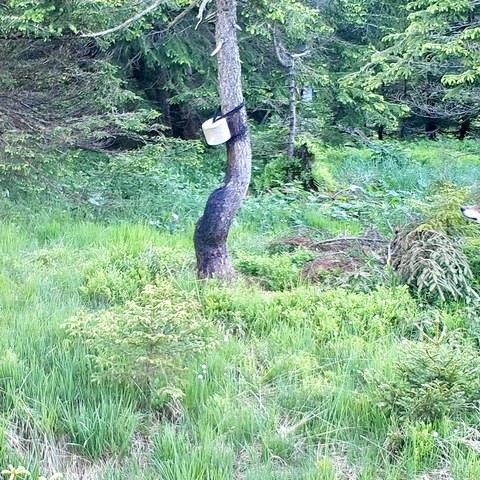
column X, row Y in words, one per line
column 217, row 117
column 242, row 131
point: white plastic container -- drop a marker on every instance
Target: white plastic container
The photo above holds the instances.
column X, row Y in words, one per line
column 216, row 132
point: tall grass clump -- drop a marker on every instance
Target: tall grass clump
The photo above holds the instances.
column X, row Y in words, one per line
column 120, row 274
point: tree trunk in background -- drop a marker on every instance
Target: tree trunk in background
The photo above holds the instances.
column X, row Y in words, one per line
column 464, row 129
column 292, row 127
column 213, row 260
column 380, row 130
column 288, row 61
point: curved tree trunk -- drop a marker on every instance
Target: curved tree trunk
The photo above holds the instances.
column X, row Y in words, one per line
column 213, row 260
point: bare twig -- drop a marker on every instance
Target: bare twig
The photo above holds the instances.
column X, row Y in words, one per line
column 127, row 22
column 349, row 241
column 355, row 132
column 199, row 17
column 181, row 15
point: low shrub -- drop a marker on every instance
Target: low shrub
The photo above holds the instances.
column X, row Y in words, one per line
column 434, row 378
column 267, row 143
column 442, row 209
column 417, row 444
column 389, row 154
column 275, row 272
column 145, row 341
column 20, row 472
column 332, row 313
column 119, row 275
column 275, row 173
column 322, row 161
column 433, row 265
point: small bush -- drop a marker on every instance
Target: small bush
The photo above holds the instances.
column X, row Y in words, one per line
column 20, row 472
column 323, row 177
column 442, row 209
column 422, row 448
column 146, row 339
column 389, row 153
column 432, row 379
column 433, row 265
column 417, row 444
column 267, row 143
column 119, row 275
column 115, row 279
column 275, row 173
column 277, row 446
column 322, row 164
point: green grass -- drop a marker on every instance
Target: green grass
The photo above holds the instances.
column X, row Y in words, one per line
column 282, row 397
column 285, row 395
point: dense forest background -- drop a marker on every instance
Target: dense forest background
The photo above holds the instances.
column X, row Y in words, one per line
column 346, row 345
column 386, row 70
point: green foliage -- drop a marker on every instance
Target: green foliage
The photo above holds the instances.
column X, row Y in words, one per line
column 145, row 341
column 332, row 313
column 432, row 379
column 433, row 265
column 418, row 443
column 177, row 457
column 442, row 210
column 119, row 274
column 329, row 224
column 37, row 123
column 430, row 35
column 323, row 178
column 275, row 272
column 389, row 154
column 321, row 169
column 431, row 61
column 17, row 473
column 275, row 173
column 115, row 278
column 358, row 90
column 277, row 446
column 430, row 261
column 471, row 249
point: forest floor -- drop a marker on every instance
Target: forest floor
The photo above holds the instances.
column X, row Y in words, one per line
column 337, row 374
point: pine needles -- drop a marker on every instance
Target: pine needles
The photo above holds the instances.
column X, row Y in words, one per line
column 433, row 265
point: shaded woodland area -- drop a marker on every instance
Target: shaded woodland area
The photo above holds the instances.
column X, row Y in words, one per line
column 386, row 69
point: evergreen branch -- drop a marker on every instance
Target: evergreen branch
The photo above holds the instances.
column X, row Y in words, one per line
column 127, row 22
column 181, row 15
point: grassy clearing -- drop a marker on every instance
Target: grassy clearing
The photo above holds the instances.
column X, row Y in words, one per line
column 295, row 387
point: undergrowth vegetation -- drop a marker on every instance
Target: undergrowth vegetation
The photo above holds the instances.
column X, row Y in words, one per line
column 118, row 364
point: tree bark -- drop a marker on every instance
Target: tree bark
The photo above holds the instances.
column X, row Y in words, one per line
column 288, row 61
column 464, row 129
column 380, row 130
column 211, row 233
column 292, row 127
